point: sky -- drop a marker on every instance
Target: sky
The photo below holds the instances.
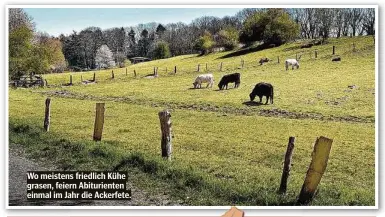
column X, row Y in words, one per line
column 55, row 21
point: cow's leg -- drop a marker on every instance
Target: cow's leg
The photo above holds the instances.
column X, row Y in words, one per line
column 260, row 99
column 267, row 100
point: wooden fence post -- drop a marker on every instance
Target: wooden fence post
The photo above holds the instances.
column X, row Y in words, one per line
column 278, row 59
column 165, row 126
column 199, row 66
column 320, row 157
column 242, row 63
column 287, row 165
column 175, row 69
column 47, row 114
column 112, row 74
column 315, row 53
column 135, row 73
column 221, row 66
column 99, row 121
column 70, row 79
column 94, row 79
column 334, row 49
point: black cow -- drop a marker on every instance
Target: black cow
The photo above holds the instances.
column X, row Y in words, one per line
column 263, row 89
column 230, row 78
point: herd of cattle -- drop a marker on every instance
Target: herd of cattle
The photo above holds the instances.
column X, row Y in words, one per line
column 261, row 89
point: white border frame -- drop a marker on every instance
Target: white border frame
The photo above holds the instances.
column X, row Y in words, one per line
column 198, row 207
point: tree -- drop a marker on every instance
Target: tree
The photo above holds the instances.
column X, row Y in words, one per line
column 144, row 43
column 204, row 43
column 273, row 26
column 160, row 30
column 355, row 16
column 20, row 47
column 18, row 18
column 227, row 38
column 161, row 50
column 104, row 57
column 325, row 21
column 48, row 51
column 368, row 21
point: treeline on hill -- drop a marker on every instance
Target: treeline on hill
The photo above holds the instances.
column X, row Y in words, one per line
column 94, row 48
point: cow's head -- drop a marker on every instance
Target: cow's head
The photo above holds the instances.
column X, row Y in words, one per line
column 252, row 96
column 195, row 84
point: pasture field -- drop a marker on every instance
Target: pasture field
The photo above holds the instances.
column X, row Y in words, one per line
column 226, row 150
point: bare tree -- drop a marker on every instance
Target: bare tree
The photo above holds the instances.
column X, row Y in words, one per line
column 355, row 16
column 368, row 21
column 17, row 18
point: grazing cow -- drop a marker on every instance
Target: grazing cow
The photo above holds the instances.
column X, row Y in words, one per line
column 292, row 62
column 263, row 89
column 336, row 59
column 205, row 78
column 263, row 60
column 230, row 78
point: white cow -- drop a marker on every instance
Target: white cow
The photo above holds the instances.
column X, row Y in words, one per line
column 205, row 78
column 292, row 62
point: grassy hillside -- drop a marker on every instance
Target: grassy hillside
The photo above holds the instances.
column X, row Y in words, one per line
column 225, row 150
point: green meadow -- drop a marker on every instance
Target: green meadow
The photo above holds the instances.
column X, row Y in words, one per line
column 226, row 150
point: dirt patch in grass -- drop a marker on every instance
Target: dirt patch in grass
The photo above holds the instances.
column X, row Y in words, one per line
column 205, row 107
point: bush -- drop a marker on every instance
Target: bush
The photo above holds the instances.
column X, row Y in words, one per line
column 205, row 43
column 161, row 50
column 273, row 26
column 227, row 38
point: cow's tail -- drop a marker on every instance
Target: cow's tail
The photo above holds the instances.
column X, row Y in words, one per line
column 272, row 94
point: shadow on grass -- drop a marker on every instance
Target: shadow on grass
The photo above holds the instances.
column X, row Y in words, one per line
column 252, row 103
column 245, row 51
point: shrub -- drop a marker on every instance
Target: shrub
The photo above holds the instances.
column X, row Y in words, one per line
column 273, row 26
column 205, row 43
column 161, row 50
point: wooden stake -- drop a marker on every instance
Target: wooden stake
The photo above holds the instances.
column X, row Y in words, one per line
column 175, row 69
column 112, row 74
column 315, row 54
column 320, row 157
column 334, row 49
column 99, row 121
column 94, row 79
column 135, row 73
column 70, row 79
column 220, row 69
column 199, row 65
column 47, row 114
column 165, row 126
column 287, row 165
column 278, row 59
